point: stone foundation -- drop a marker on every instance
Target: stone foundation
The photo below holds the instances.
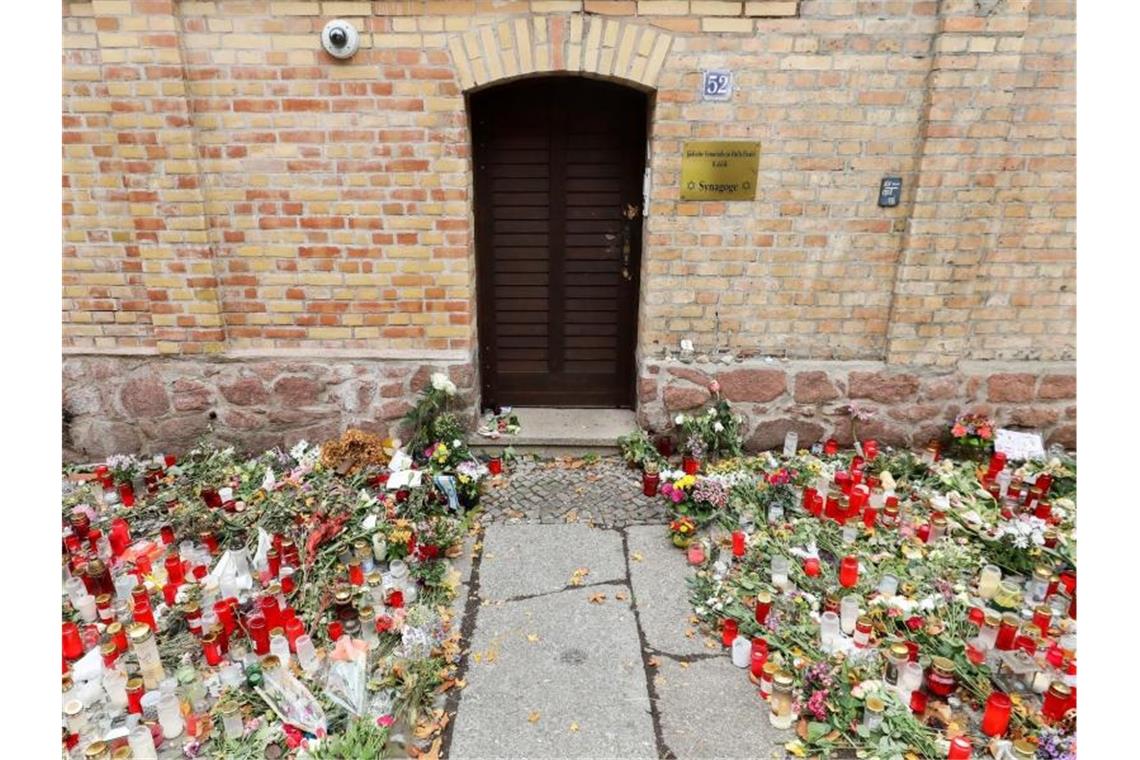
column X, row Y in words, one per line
column 911, row 405
column 152, row 404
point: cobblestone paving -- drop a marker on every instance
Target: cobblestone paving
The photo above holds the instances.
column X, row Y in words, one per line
column 605, row 493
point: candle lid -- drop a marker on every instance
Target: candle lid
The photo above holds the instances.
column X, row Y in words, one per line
column 875, row 704
column 764, row 597
column 134, row 684
column 1059, row 689
column 1041, row 572
column 122, row 753
column 900, row 650
column 270, row 662
column 229, row 708
column 140, row 632
column 108, row 648
column 784, row 678
column 942, row 665
column 73, row 708
column 278, row 631
column 96, row 749
column 771, row 668
column 992, row 618
column 863, row 621
column 1011, row 618
column 114, row 628
column 67, row 683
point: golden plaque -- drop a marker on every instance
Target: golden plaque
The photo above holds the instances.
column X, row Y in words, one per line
column 721, row 170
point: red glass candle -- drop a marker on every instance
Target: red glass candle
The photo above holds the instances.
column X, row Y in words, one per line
column 100, row 576
column 763, row 607
column 258, row 629
column 355, row 574
column 495, row 465
column 870, row 448
column 1043, row 618
column 870, row 514
column 293, row 629
column 649, row 483
column 918, row 701
column 1056, row 702
column 273, row 559
column 170, row 594
column 997, row 463
column 118, row 636
column 143, row 614
column 335, row 630
column 120, row 536
column 728, row 631
column 811, row 567
column 93, row 537
column 831, row 448
column 664, row 446
column 759, row 656
column 738, row 543
column 208, row 540
column 996, row 718
column 922, row 533
column 809, row 495
column 72, row 643
column 135, row 691
column 225, row 614
column 167, row 534
column 1044, row 482
column 960, row 749
column 831, row 508
column 212, row 649
column 127, row 494
column 287, row 582
column 395, row 598
column 193, row 613
column 270, row 610
column 849, row 571
column 843, row 480
column 1007, row 632
column 940, row 680
column 911, row 650
column 383, row 623
column 174, row 572
column 690, row 465
column 816, row 506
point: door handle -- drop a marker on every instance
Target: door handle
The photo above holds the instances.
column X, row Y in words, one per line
column 629, row 213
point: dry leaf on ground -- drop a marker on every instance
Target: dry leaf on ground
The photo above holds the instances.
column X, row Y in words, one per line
column 574, row 726
column 534, row 716
column 578, row 576
column 532, row 637
column 638, row 557
column 597, row 597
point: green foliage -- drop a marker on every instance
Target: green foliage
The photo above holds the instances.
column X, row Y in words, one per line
column 638, row 449
column 362, row 739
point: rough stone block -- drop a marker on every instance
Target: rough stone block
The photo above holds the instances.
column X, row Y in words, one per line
column 884, row 387
column 297, row 391
column 681, row 398
column 1015, row 387
column 769, row 434
column 814, row 387
column 246, row 391
column 144, row 396
column 757, row 385
column 1057, row 387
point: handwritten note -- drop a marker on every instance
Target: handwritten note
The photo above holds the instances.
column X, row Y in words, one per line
column 1018, row 445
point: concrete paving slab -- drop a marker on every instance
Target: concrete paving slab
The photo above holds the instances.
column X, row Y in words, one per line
column 555, row 676
column 527, row 559
column 662, row 593
column 710, row 709
column 560, row 427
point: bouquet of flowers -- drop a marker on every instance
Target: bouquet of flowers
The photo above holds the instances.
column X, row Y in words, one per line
column 973, row 434
column 682, row 531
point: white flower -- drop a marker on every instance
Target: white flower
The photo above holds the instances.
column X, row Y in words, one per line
column 718, row 427
column 712, row 412
column 679, row 419
column 440, row 382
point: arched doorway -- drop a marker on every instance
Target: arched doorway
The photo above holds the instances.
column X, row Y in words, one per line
column 559, row 165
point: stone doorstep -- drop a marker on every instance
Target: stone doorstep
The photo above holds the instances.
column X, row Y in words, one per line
column 554, row 431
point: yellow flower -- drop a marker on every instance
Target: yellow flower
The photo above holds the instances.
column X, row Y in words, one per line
column 685, row 481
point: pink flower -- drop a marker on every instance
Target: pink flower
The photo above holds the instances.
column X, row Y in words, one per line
column 985, row 432
column 714, row 387
column 677, row 495
column 958, row 431
column 914, row 622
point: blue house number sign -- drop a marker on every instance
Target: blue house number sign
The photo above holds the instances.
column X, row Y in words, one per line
column 717, row 85
column 890, row 191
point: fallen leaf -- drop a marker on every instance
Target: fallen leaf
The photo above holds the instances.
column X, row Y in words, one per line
column 532, row 637
column 710, row 644
column 620, row 596
column 462, row 682
column 477, row 657
column 690, row 633
column 578, row 575
column 652, row 662
column 534, row 716
column 637, row 557
column 684, row 665
column 597, row 597
column 571, row 516
column 492, row 655
column 574, row 726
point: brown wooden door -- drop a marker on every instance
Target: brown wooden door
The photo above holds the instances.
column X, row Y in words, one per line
column 558, row 166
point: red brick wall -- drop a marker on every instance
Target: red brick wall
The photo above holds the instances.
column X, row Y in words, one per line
column 230, row 190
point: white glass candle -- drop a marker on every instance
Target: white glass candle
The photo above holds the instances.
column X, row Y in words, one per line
column 848, row 613
column 888, row 585
column 75, row 590
column 828, row 630
column 170, row 716
column 76, row 715
column 791, row 441
column 780, row 572
column 279, row 645
column 850, row 532
column 306, row 653
column 85, row 606
column 115, row 684
column 232, row 721
column 873, row 712
column 1004, row 477
column 742, row 651
column 142, row 641
column 988, row 581
column 142, row 744
column 910, row 679
column 124, row 585
column 232, row 675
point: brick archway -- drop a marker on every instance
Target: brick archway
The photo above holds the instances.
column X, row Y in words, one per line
column 590, row 45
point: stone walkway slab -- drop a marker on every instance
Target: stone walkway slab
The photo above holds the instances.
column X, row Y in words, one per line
column 710, row 709
column 556, row 676
column 523, row 560
column 662, row 593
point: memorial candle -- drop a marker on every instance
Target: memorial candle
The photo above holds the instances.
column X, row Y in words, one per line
column 738, row 540
column 995, row 721
column 849, row 571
